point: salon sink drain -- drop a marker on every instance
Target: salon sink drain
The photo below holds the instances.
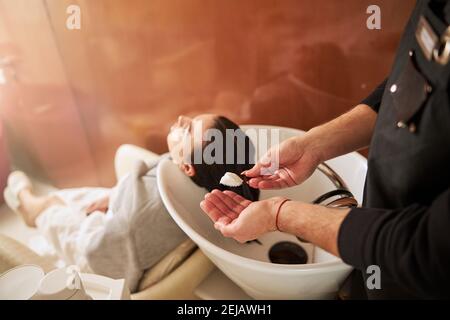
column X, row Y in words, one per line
column 286, row 252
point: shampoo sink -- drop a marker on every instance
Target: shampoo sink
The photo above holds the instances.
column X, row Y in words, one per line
column 274, row 266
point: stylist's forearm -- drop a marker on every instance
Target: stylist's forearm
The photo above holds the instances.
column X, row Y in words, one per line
column 316, row 224
column 349, row 132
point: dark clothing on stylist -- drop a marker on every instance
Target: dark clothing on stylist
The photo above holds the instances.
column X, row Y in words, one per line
column 404, row 225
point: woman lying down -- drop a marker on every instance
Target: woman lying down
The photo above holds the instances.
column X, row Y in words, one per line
column 124, row 231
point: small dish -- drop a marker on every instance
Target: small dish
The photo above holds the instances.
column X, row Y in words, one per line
column 21, row 282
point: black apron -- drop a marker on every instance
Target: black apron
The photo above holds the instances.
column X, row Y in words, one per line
column 409, row 157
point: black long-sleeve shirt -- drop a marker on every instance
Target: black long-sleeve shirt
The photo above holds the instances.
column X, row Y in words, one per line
column 404, row 224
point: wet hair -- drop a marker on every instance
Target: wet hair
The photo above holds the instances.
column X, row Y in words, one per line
column 208, row 175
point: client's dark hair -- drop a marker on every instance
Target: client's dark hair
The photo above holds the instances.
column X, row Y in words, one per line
column 208, row 175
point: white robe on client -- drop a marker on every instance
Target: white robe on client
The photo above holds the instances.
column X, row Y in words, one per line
column 133, row 235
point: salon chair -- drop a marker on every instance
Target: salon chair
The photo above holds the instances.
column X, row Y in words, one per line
column 176, row 276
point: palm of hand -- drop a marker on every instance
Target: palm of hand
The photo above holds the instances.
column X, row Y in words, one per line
column 237, row 217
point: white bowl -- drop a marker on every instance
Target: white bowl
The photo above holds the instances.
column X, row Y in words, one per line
column 248, row 265
column 21, row 282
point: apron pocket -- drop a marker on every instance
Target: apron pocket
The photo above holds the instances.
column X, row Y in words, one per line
column 409, row 92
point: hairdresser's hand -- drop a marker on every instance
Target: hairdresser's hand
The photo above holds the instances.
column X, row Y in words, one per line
column 297, row 162
column 99, row 205
column 238, row 218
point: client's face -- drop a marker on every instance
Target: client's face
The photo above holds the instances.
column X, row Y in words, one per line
column 181, row 134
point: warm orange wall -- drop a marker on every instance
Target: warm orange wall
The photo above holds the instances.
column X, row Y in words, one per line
column 46, row 135
column 4, row 164
column 136, row 65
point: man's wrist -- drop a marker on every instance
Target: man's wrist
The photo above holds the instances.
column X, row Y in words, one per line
column 313, row 146
column 289, row 217
column 275, row 206
column 282, row 215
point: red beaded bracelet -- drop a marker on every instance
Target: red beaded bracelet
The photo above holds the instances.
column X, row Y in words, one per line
column 278, row 212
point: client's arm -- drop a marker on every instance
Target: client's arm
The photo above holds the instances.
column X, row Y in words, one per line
column 101, row 205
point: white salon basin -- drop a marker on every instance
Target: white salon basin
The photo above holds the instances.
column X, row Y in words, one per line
column 248, row 265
